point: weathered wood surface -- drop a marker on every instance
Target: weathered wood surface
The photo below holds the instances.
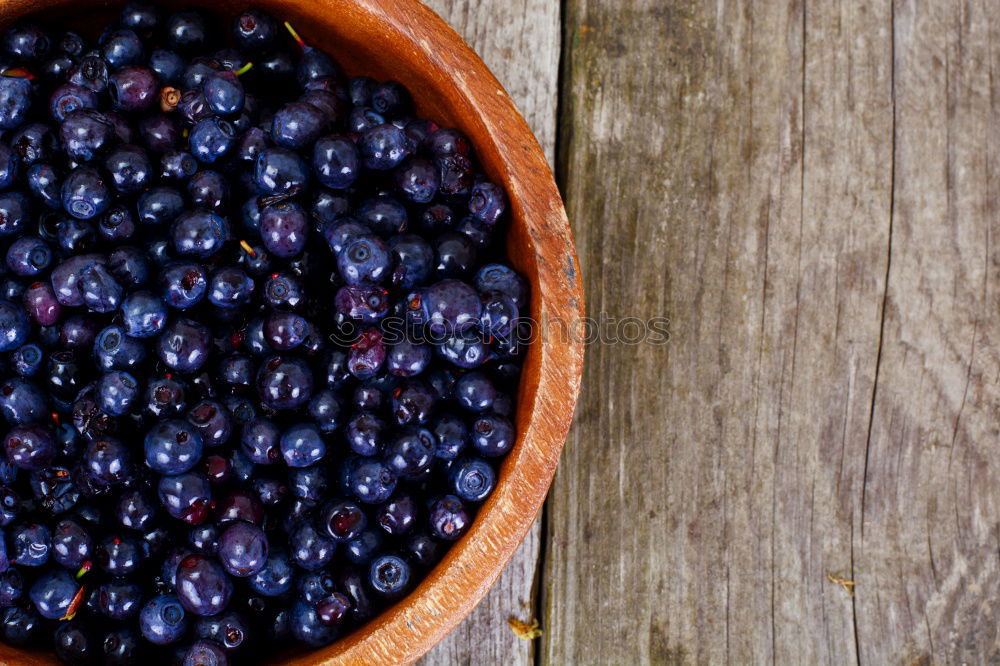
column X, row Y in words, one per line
column 806, row 189
column 519, row 41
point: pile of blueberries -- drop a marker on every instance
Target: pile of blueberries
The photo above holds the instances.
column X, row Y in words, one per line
column 259, row 345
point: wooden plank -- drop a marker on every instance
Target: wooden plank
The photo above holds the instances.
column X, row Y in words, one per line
column 727, row 165
column 928, row 573
column 519, row 41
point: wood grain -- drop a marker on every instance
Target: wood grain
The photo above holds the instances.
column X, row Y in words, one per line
column 805, row 190
column 519, row 42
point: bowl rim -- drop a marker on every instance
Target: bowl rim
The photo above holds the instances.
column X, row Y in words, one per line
column 553, row 365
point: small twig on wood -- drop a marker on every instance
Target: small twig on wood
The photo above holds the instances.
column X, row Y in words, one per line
column 848, row 585
column 523, row 629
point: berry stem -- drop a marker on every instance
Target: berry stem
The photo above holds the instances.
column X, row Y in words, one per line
column 298, row 40
column 248, row 249
column 244, row 69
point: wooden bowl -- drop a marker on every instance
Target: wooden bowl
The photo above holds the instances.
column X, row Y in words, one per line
column 406, row 41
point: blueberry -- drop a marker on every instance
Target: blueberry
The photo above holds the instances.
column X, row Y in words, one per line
column 45, row 184
column 15, row 211
column 212, row 421
column 472, row 479
column 297, row 125
column 53, row 594
column 140, row 16
column 11, row 587
column 199, row 233
column 492, row 435
column 372, row 481
column 184, row 284
column 173, row 447
column 159, row 205
column 99, row 289
column 407, row 358
column 456, row 254
column 30, row 546
column 391, row 99
column 383, row 147
column 119, row 599
column 160, row 133
column 315, row 65
column 284, row 383
column 284, row 330
column 210, row 139
column 121, row 48
column 15, row 101
column 275, row 577
column 413, row 260
column 278, row 170
column 19, row 626
column 384, row 215
column 33, row 142
column 260, row 441
column 367, row 354
column 129, row 169
column 75, row 235
column 326, row 409
column 302, row 445
column 84, row 194
column 27, row 360
column 389, row 576
column 184, row 345
column 30, row 446
column 284, row 229
column 186, row 31
column 186, row 497
column 106, row 459
column 168, row 65
column 332, row 610
column 22, row 402
column 364, row 434
column 113, row 350
column 449, row 518
column 230, row 287
column 417, row 179
column 254, row 31
column 487, row 202
column 118, row 392
column 117, row 224
column 208, row 189
column 119, row 555
column 230, row 631
column 362, row 549
column 398, row 516
column 121, row 647
column 205, row 653
column 335, row 161
column 162, row 620
column 135, row 510
column 307, row 627
column 143, row 314
column 364, row 260
column 283, row 290
column 243, row 549
column 177, row 165
column 70, row 97
column 14, row 326
column 223, row 93
column 309, row 549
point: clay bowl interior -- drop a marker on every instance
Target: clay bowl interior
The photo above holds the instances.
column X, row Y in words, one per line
column 406, row 41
